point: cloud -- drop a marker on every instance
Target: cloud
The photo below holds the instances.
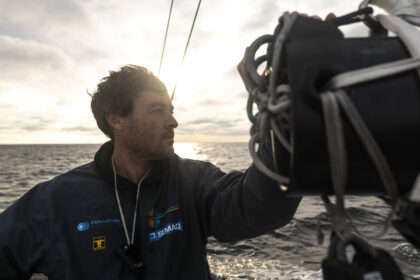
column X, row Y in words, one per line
column 201, row 121
column 40, row 124
column 232, row 72
column 211, row 102
column 62, row 24
column 21, row 58
column 218, row 126
column 264, row 16
column 52, row 51
column 30, row 128
column 37, row 15
column 22, row 123
column 81, row 128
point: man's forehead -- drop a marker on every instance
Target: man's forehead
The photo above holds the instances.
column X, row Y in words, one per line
column 150, row 97
column 152, row 92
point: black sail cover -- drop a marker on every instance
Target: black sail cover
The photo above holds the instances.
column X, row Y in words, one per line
column 316, row 51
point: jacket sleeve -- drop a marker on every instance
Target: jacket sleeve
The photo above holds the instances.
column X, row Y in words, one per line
column 240, row 205
column 24, row 229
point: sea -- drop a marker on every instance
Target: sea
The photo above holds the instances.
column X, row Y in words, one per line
column 291, row 252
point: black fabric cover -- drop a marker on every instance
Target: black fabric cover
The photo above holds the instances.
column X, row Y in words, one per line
column 314, row 53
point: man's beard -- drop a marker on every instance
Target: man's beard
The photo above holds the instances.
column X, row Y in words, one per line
column 142, row 144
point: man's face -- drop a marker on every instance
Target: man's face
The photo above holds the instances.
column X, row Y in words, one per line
column 149, row 129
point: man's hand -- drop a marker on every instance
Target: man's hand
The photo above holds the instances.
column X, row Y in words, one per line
column 240, row 65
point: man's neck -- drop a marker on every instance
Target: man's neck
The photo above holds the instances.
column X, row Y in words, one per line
column 128, row 166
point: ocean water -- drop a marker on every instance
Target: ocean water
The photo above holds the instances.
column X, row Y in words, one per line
column 291, row 252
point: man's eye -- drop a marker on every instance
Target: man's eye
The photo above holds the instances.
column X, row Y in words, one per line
column 157, row 110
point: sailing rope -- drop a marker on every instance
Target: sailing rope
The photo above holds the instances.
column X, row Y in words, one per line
column 273, row 99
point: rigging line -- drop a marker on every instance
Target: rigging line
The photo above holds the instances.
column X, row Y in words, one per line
column 188, row 42
column 166, row 35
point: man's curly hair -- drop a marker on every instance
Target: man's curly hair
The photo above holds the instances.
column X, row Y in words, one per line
column 115, row 93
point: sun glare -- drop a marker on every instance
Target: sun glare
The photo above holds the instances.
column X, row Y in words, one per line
column 169, row 75
column 188, row 150
column 186, row 77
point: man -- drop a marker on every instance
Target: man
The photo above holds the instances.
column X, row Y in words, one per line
column 138, row 211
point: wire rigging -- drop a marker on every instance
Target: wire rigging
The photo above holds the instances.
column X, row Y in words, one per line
column 166, row 35
column 188, row 43
column 186, row 46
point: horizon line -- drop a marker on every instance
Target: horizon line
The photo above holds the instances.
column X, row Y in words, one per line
column 201, row 138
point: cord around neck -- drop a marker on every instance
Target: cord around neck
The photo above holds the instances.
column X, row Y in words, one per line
column 129, row 242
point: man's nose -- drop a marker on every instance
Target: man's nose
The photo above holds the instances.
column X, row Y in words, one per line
column 172, row 122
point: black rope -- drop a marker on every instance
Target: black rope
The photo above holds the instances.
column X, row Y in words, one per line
column 166, row 35
column 351, row 17
column 188, row 42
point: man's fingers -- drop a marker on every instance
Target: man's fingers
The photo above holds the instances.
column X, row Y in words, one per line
column 330, row 16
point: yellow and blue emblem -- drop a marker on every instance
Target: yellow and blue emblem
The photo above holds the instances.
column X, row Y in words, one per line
column 155, row 216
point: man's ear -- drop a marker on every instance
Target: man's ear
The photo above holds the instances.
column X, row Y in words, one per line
column 115, row 121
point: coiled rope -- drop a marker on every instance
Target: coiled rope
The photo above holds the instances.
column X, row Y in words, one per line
column 272, row 95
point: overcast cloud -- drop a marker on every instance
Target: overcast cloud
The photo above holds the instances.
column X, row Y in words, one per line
column 52, row 52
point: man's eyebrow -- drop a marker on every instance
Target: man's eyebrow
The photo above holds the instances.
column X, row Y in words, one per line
column 161, row 104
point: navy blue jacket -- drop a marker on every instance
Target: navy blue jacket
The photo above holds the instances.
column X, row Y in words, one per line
column 69, row 228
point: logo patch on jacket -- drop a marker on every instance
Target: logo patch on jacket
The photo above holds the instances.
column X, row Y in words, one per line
column 96, row 223
column 164, row 231
column 83, row 226
column 155, row 217
column 99, row 243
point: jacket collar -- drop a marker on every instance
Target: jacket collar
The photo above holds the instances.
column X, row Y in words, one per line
column 104, row 165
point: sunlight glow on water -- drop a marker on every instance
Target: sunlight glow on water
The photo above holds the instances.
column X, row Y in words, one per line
column 188, row 150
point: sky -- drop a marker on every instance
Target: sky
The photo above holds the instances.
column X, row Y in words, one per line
column 54, row 52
